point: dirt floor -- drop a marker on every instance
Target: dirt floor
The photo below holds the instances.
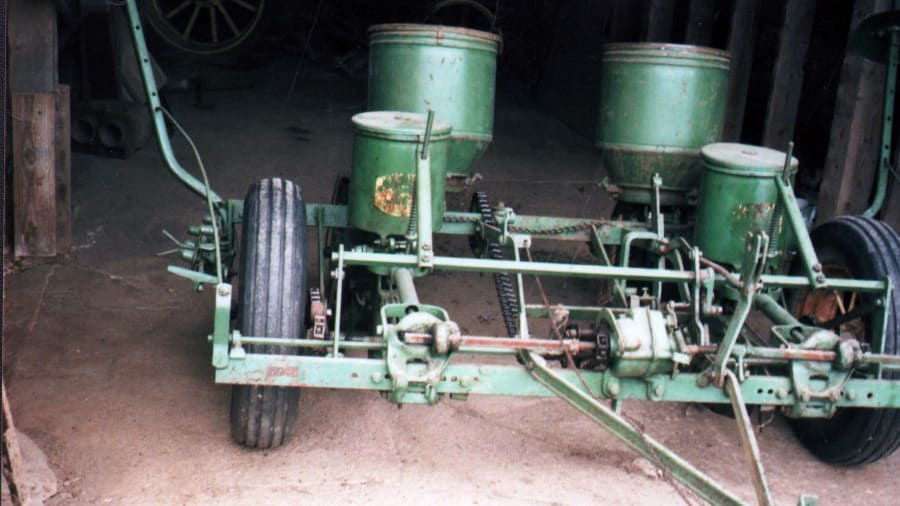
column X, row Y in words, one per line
column 108, row 367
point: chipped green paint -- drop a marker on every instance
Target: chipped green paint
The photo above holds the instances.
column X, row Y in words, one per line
column 737, row 197
column 659, row 104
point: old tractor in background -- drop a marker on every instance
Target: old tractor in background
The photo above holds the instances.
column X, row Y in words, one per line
column 711, row 233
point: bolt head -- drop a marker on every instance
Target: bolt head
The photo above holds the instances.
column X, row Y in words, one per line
column 224, row 291
column 614, row 388
column 659, row 390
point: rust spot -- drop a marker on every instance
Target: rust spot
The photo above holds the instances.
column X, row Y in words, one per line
column 277, row 371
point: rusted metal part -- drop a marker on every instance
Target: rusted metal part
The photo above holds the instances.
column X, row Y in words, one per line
column 318, row 312
column 548, row 346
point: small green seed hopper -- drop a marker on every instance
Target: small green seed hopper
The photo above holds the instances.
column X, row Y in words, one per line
column 675, row 328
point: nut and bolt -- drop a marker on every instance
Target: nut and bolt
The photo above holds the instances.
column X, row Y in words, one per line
column 613, row 388
column 426, row 246
column 781, row 393
column 224, row 291
column 817, row 267
column 659, row 390
column 377, row 377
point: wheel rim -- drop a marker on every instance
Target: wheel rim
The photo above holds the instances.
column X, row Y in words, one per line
column 824, row 305
column 205, row 26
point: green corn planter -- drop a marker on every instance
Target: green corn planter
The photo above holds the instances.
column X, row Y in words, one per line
column 738, row 195
column 448, row 69
column 659, row 104
column 386, row 146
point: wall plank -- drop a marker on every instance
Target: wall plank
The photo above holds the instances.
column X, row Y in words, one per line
column 852, row 157
column 787, row 77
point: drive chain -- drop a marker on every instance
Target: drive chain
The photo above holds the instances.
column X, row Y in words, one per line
column 506, row 291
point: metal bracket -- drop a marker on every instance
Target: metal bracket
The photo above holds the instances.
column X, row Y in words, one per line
column 221, row 326
column 415, row 369
column 752, row 267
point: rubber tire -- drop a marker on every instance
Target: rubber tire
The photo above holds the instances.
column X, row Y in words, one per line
column 869, row 249
column 272, row 297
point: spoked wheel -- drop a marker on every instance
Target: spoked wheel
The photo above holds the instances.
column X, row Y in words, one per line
column 853, row 247
column 205, row 29
column 273, row 304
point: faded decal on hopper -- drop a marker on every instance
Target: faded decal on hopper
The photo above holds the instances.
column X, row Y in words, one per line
column 393, row 194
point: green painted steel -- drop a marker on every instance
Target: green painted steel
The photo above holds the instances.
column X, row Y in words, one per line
column 738, row 194
column 659, row 104
column 443, row 263
column 448, row 69
column 514, row 380
column 700, row 483
column 386, row 146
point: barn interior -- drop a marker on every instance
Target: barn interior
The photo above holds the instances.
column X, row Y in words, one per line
column 106, row 358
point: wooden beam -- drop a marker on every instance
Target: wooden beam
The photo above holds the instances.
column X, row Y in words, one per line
column 32, row 46
column 699, row 28
column 742, row 34
column 63, row 176
column 787, row 76
column 34, row 167
column 657, row 24
column 33, row 86
column 852, row 157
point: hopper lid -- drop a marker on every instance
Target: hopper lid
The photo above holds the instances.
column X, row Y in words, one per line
column 745, row 157
column 401, row 124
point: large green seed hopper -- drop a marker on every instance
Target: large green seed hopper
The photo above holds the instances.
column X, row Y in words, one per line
column 823, row 350
column 659, row 104
column 447, row 69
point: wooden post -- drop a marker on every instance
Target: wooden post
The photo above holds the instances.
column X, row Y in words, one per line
column 787, row 76
column 852, row 157
column 657, row 24
column 741, row 36
column 700, row 22
column 32, row 83
column 63, row 142
column 34, row 161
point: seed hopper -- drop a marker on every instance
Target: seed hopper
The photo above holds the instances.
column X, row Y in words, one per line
column 709, row 233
